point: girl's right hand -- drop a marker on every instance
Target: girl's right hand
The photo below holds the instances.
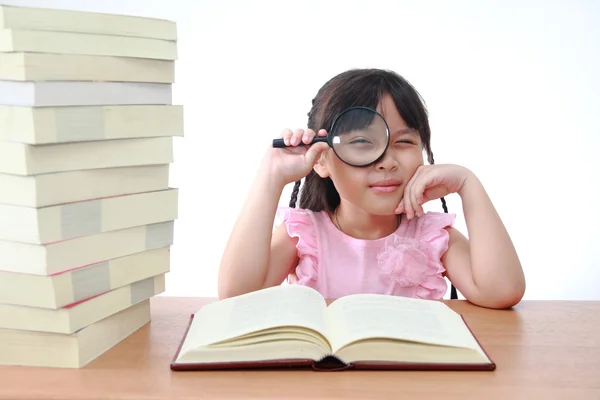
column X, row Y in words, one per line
column 293, row 163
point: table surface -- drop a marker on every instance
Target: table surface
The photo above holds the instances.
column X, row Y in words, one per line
column 543, row 350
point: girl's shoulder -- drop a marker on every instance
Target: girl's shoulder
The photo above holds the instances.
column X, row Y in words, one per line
column 302, row 224
column 301, row 218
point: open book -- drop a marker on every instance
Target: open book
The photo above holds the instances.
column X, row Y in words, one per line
column 292, row 326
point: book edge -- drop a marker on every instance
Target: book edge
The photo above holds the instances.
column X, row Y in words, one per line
column 321, row 365
column 180, row 346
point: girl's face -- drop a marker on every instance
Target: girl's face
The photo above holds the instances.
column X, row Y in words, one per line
column 378, row 188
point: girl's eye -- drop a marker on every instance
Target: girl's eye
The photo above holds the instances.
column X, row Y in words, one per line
column 405, row 141
column 361, row 141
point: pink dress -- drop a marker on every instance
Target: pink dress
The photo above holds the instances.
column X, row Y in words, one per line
column 406, row 263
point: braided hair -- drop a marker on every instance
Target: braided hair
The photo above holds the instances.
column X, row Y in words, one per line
column 359, row 87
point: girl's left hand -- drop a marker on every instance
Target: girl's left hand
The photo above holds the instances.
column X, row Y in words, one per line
column 431, row 182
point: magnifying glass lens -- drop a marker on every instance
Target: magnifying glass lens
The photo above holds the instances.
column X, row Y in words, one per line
column 359, row 136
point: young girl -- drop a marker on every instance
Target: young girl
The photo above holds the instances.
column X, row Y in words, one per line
column 363, row 229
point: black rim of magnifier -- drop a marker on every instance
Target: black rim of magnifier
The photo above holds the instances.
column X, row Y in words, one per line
column 280, row 143
column 387, row 132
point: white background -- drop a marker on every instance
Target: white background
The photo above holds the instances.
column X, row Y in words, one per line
column 512, row 88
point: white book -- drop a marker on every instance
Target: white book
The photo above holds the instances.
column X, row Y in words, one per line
column 54, row 258
column 46, row 349
column 45, row 125
column 67, row 67
column 72, row 186
column 18, row 40
column 67, row 221
column 69, row 93
column 53, row 19
column 27, row 159
column 71, row 319
column 71, row 287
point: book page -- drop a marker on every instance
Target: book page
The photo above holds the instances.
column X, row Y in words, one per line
column 279, row 306
column 366, row 316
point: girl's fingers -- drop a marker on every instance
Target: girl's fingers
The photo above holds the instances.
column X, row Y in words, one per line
column 308, row 136
column 406, row 201
column 286, row 135
column 410, row 195
column 417, row 192
column 297, row 137
column 400, row 208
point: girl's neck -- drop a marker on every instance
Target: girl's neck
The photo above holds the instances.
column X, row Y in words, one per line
column 360, row 225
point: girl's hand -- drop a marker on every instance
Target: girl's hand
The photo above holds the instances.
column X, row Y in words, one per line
column 431, row 182
column 291, row 164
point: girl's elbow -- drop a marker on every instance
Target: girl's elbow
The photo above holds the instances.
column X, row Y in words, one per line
column 515, row 295
column 509, row 297
column 498, row 298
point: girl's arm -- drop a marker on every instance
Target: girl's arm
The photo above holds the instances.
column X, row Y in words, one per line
column 485, row 268
column 256, row 257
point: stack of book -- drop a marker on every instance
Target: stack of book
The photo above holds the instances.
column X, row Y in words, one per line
column 87, row 125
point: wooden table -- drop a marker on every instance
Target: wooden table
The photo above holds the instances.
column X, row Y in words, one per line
column 543, row 349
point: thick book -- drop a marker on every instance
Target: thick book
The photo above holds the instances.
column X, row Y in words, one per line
column 54, row 258
column 66, row 67
column 27, row 159
column 75, row 317
column 83, row 93
column 76, row 21
column 47, row 125
column 70, row 220
column 57, row 350
column 75, row 186
column 293, row 326
column 22, row 40
column 56, row 291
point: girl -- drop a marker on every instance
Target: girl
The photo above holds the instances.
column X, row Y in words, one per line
column 363, row 229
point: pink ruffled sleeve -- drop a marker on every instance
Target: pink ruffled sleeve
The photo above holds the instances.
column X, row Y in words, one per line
column 433, row 238
column 299, row 224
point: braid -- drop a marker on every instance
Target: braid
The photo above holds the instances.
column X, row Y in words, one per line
column 453, row 293
column 444, row 205
column 294, row 197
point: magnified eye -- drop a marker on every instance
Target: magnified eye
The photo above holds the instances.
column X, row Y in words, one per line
column 360, row 141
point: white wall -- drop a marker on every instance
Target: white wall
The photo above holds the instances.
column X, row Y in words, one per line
column 512, row 88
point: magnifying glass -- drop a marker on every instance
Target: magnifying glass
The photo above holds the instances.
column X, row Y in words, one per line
column 359, row 136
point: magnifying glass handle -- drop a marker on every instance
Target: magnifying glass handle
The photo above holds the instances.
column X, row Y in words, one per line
column 279, row 143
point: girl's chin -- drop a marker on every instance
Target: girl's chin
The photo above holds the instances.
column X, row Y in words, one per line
column 384, row 211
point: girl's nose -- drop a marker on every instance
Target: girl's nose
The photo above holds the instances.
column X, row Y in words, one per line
column 387, row 162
